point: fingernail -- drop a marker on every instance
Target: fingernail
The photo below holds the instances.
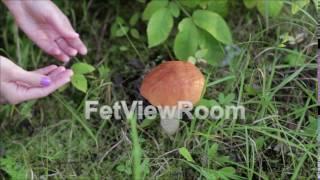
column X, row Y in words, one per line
column 45, row 81
column 67, row 59
column 74, row 35
column 84, row 51
column 73, row 52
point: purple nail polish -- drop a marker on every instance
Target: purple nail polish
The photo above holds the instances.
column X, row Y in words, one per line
column 45, row 81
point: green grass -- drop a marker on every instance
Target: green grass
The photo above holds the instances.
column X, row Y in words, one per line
column 50, row 138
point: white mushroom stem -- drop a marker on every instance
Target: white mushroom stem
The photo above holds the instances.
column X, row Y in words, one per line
column 170, row 125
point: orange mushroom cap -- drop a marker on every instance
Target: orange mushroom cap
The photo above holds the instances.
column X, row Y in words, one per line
column 171, row 82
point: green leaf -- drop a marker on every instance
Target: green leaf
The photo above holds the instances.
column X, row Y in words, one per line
column 208, row 102
column 212, row 152
column 250, row 3
column 250, row 89
column 229, row 98
column 123, row 48
column 134, row 19
column 311, row 129
column 297, row 5
column 260, row 142
column 13, row 168
column 221, row 98
column 269, row 8
column 186, row 154
column 146, row 167
column 79, row 82
column 174, row 9
column 82, row 68
column 135, row 33
column 121, row 31
column 295, row 59
column 186, row 41
column 227, row 172
column 147, row 122
column 220, row 7
column 118, row 27
column 113, row 29
column 190, row 3
column 201, row 53
column 121, row 168
column 214, row 24
column 159, row 27
column 103, row 71
column 215, row 53
column 152, row 7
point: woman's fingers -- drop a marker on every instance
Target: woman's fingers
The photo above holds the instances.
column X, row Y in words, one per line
column 62, row 79
column 70, row 39
column 62, row 57
column 46, row 70
column 43, row 71
column 64, row 46
column 54, row 74
column 16, row 93
column 62, row 25
column 77, row 44
column 32, row 79
column 39, row 37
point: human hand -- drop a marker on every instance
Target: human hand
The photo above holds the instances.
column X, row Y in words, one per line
column 48, row 27
column 18, row 85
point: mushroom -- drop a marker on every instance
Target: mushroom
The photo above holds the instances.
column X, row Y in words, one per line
column 169, row 83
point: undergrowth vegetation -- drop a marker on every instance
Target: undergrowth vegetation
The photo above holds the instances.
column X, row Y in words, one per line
column 253, row 53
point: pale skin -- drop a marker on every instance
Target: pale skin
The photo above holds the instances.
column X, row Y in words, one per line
column 50, row 30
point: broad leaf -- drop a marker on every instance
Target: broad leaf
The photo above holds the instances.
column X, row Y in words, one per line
column 135, row 33
column 159, row 27
column 82, row 68
column 190, row 3
column 134, row 19
column 220, row 7
column 215, row 53
column 79, row 82
column 250, row 3
column 186, row 41
column 214, row 24
column 152, row 7
column 186, row 154
column 269, row 8
column 295, row 59
column 174, row 9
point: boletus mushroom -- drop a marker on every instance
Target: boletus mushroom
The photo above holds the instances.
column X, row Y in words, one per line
column 172, row 82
